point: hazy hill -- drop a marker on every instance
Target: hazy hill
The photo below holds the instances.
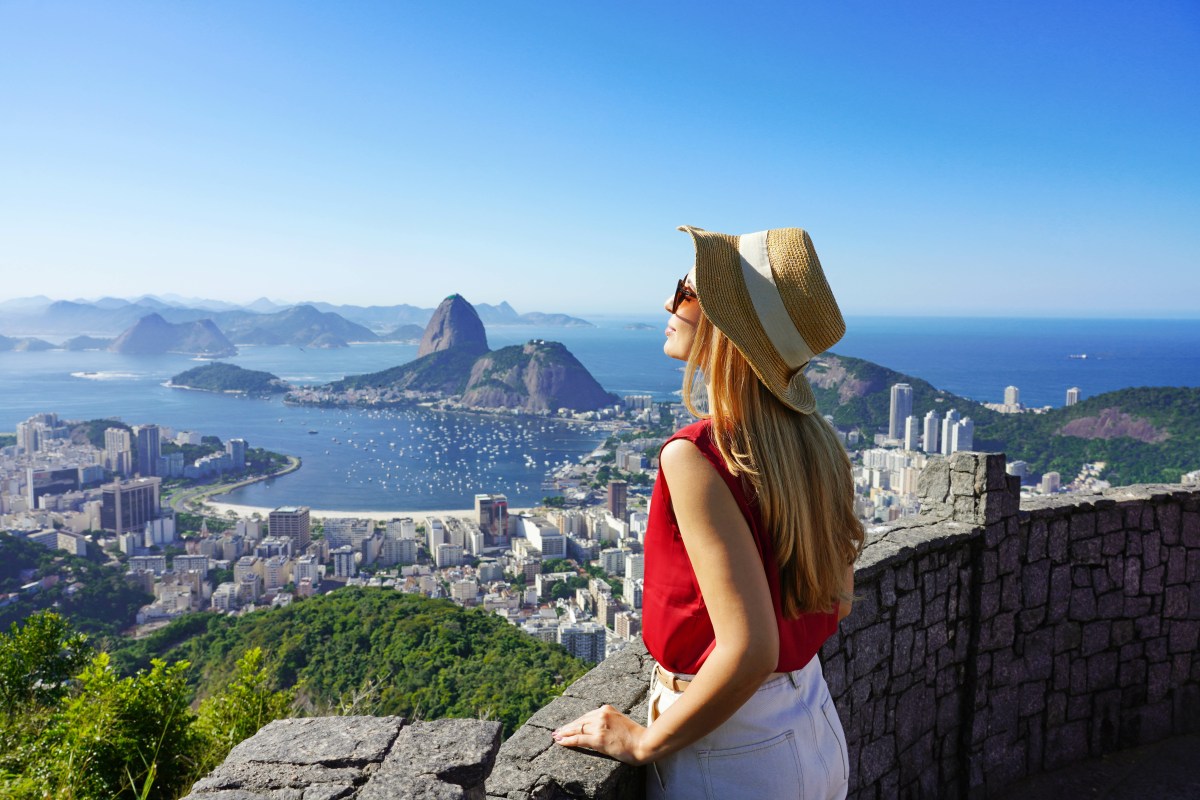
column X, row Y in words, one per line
column 86, row 343
column 406, row 654
column 504, row 314
column 24, row 344
column 404, row 333
column 221, row 377
column 154, row 335
column 303, row 326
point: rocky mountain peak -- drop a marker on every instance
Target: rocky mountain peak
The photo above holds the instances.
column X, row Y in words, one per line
column 455, row 324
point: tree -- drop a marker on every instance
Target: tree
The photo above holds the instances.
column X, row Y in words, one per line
column 37, row 660
column 240, row 710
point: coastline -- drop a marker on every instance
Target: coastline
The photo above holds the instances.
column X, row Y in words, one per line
column 320, row 513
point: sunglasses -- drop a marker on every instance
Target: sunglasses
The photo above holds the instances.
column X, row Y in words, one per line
column 682, row 292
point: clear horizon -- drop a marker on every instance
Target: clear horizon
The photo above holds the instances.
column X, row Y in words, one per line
column 1022, row 160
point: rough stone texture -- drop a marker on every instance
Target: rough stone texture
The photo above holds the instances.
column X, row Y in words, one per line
column 372, row 758
column 530, row 765
column 991, row 640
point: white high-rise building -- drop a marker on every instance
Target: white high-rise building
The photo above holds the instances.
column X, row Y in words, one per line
column 929, row 441
column 635, row 566
column 948, row 423
column 1012, row 396
column 1051, row 482
column 901, row 409
column 912, row 433
column 1072, row 395
column 962, row 435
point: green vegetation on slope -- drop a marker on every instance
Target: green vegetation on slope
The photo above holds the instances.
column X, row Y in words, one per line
column 221, row 377
column 444, row 371
column 856, row 393
column 404, row 654
column 71, row 727
column 1037, row 438
column 95, row 597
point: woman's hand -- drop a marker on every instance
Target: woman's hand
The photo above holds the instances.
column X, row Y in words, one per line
column 607, row 731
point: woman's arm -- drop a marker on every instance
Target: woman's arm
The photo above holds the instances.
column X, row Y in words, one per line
column 734, row 585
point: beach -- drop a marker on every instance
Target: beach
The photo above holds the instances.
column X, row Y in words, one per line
column 318, row 513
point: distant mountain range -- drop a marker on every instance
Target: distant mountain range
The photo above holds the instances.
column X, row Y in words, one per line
column 111, row 316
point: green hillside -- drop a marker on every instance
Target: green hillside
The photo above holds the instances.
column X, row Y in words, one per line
column 1144, row 435
column 221, row 377
column 405, row 654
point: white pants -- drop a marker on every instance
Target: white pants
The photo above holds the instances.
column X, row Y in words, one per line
column 785, row 742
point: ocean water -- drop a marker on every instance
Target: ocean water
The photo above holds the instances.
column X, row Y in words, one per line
column 416, row 460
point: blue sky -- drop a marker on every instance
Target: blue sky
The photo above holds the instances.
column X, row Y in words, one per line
column 948, row 158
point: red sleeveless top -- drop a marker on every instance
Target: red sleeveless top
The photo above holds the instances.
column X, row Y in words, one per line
column 675, row 623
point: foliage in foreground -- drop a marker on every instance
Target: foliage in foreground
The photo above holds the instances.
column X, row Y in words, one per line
column 71, row 727
column 381, row 651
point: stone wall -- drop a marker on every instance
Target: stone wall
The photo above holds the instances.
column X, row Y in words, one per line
column 989, row 641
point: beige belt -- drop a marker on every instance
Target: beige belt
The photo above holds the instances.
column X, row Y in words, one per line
column 677, row 684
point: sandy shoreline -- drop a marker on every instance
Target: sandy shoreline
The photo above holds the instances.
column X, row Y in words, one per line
column 319, row 513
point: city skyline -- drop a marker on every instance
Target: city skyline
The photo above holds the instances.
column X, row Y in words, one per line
column 1025, row 159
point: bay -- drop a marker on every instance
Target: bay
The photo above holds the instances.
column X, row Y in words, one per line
column 433, row 460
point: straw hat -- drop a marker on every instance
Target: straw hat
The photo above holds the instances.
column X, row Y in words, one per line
column 766, row 292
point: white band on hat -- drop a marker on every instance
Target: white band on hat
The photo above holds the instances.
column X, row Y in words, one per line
column 768, row 305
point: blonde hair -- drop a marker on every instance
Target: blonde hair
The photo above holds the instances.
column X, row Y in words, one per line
column 799, row 471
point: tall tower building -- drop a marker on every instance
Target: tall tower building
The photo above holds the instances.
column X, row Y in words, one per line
column 149, row 449
column 236, row 448
column 491, row 513
column 912, row 433
column 1072, row 395
column 618, row 499
column 901, row 409
column 291, row 522
column 929, row 442
column 118, row 451
column 948, row 423
column 1012, row 396
column 126, row 506
column 962, row 435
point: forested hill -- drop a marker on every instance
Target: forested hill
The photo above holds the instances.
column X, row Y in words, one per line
column 396, row 653
column 1144, row 435
column 221, row 377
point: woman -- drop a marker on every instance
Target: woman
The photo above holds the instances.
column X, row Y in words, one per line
column 751, row 540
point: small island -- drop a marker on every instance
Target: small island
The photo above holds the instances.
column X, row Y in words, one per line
column 230, row 379
column 639, row 326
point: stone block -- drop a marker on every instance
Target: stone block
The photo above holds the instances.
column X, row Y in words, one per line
column 1035, row 583
column 1101, row 582
column 1110, row 519
column 1177, row 602
column 1058, row 541
column 877, row 758
column 1096, row 637
column 1056, row 709
column 966, row 509
column 1083, row 605
column 398, row 786
column 320, row 740
column 934, row 481
column 1035, row 543
column 1182, row 636
column 1190, row 527
column 1102, row 671
column 1065, row 744
column 1085, row 550
column 872, row 647
column 1152, row 580
column 1122, row 632
column 1169, row 522
column 1110, row 604
column 963, row 484
column 1081, row 576
column 1177, row 565
column 1131, row 673
column 455, row 751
